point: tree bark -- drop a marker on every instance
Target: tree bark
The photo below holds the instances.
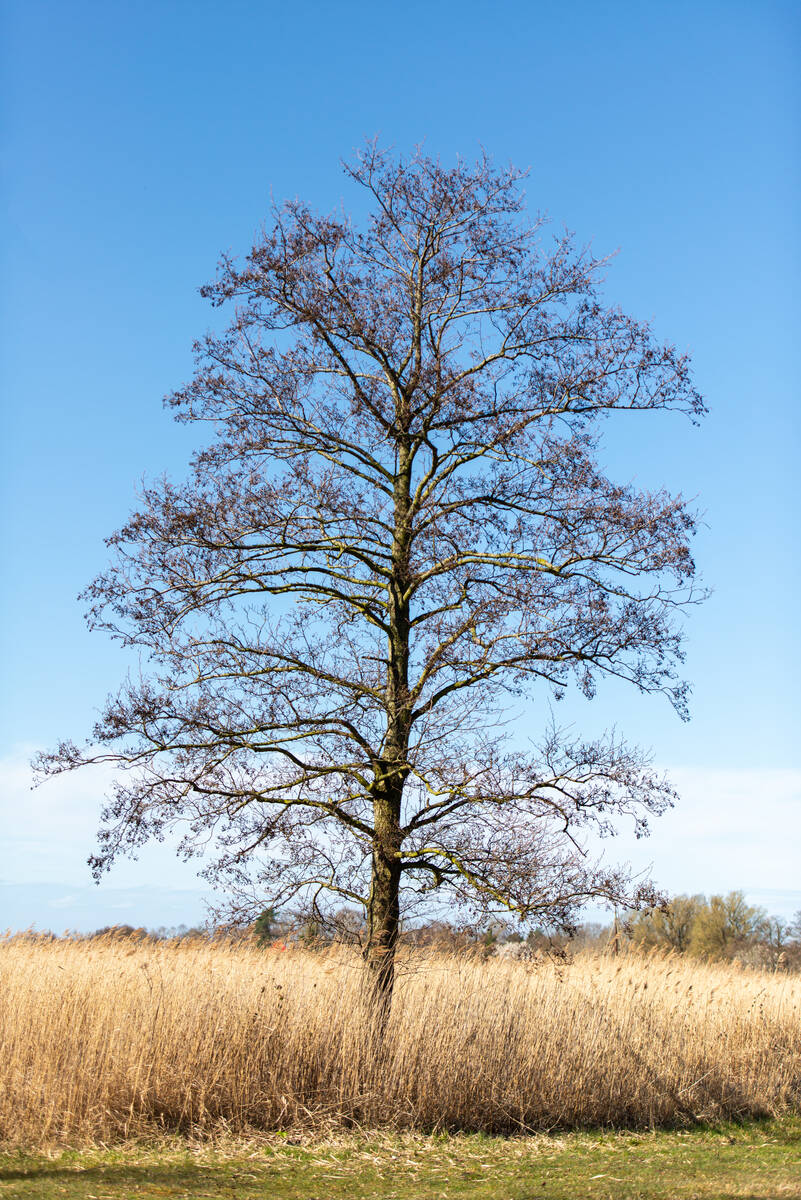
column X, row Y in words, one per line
column 383, row 922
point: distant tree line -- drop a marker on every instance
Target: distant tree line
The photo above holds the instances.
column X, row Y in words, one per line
column 720, row 927
column 716, row 927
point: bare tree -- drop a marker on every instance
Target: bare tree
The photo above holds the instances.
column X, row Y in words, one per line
column 397, row 524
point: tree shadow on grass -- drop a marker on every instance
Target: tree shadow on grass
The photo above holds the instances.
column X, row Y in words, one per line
column 117, row 1174
column 195, row 1183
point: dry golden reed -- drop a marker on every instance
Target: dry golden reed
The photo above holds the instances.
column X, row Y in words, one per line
column 104, row 1039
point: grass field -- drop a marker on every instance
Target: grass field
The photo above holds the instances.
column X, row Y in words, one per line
column 761, row 1161
column 107, row 1041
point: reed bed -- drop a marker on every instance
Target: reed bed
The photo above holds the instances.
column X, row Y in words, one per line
column 106, row 1040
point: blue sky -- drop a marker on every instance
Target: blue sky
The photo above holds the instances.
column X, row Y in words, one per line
column 141, row 140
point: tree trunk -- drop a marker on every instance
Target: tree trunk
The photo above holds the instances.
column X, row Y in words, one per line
column 383, row 916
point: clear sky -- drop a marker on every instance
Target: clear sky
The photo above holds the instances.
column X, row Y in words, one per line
column 142, row 139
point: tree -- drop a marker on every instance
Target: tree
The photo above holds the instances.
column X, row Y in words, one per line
column 398, row 523
column 669, row 925
column 726, row 924
column 264, row 926
column 777, row 936
column 793, row 939
column 794, row 928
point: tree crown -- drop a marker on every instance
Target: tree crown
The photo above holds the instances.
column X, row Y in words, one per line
column 399, row 522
